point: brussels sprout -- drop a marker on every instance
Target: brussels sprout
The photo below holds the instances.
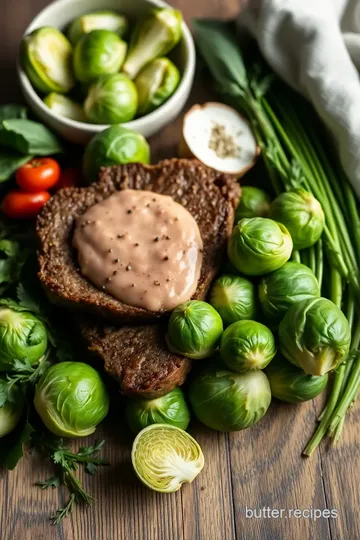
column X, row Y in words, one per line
column 11, row 412
column 301, row 214
column 155, row 84
column 46, row 57
column 165, row 457
column 194, row 330
column 98, row 53
column 169, row 409
column 285, row 287
column 71, row 399
column 97, row 20
column 22, row 335
column 114, row 146
column 65, row 107
column 228, row 401
column 290, row 383
column 234, row 299
column 315, row 335
column 254, row 202
column 112, row 99
column 258, row 246
column 247, row 345
column 154, row 36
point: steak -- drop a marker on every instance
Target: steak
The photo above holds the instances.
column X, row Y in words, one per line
column 208, row 195
column 136, row 357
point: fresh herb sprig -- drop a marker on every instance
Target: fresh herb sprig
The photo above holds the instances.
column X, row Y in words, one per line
column 22, row 373
column 67, row 463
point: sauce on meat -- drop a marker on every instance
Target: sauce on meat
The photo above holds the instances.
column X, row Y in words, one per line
column 141, row 247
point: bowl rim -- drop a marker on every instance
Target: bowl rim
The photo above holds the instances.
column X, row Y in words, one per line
column 136, row 124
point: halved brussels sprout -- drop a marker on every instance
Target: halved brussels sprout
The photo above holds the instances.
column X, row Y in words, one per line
column 114, row 146
column 247, row 345
column 155, row 84
column 112, row 99
column 153, row 36
column 22, row 335
column 234, row 298
column 169, row 409
column 285, row 287
column 228, row 401
column 11, row 412
column 194, row 330
column 254, row 202
column 71, row 399
column 315, row 335
column 98, row 53
column 301, row 214
column 46, row 57
column 65, row 107
column 290, row 383
column 165, row 457
column 97, row 20
column 258, row 246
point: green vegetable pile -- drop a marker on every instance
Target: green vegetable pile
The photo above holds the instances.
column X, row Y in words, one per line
column 117, row 74
column 315, row 203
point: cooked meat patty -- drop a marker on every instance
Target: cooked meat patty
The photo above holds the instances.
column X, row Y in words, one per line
column 136, row 357
column 208, row 195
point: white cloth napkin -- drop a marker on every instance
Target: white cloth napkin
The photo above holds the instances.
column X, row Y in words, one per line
column 314, row 45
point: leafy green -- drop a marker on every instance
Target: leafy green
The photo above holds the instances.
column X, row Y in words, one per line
column 66, row 463
column 13, row 256
column 11, row 111
column 28, row 137
column 10, row 161
column 12, row 446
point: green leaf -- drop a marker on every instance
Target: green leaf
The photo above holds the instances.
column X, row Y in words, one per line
column 220, row 50
column 12, row 446
column 10, row 303
column 53, row 482
column 29, row 137
column 10, row 161
column 11, row 111
column 26, row 300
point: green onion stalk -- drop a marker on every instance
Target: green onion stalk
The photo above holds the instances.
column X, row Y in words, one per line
column 295, row 152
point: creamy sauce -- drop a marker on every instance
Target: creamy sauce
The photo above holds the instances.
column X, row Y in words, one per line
column 142, row 248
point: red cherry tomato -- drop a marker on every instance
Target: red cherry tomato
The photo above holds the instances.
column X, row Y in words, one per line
column 70, row 177
column 21, row 205
column 38, row 175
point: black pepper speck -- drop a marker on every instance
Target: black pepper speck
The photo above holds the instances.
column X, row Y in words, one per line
column 128, row 268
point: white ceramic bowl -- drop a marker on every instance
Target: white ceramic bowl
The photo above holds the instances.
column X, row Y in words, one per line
column 59, row 14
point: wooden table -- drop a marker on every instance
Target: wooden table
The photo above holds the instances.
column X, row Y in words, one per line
column 260, row 467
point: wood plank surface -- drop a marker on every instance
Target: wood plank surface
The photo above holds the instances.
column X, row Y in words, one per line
column 260, row 467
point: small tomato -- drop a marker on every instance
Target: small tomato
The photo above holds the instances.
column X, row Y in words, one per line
column 38, row 175
column 21, row 205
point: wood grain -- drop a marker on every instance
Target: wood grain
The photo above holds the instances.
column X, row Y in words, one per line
column 260, row 467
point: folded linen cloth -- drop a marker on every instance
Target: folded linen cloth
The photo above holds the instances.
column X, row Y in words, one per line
column 314, row 45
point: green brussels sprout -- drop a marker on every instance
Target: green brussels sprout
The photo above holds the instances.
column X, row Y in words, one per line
column 112, row 99
column 258, row 246
column 22, row 335
column 169, row 409
column 97, row 20
column 290, row 383
column 227, row 401
column 234, row 298
column 46, row 56
column 11, row 412
column 100, row 52
column 114, row 146
column 254, row 202
column 285, row 287
column 194, row 330
column 301, row 214
column 156, row 82
column 247, row 345
column 315, row 335
column 154, row 36
column 65, row 107
column 71, row 399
